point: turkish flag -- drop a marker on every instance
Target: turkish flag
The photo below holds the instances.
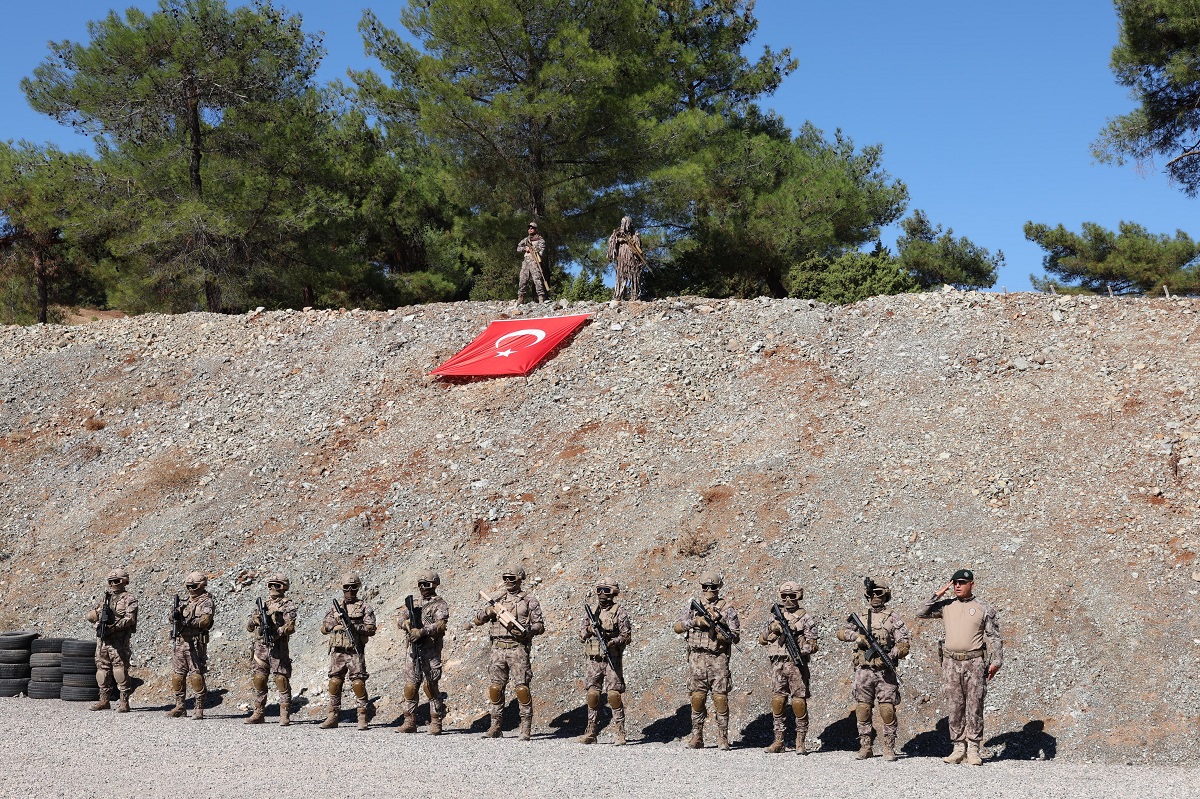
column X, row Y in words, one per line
column 511, row 346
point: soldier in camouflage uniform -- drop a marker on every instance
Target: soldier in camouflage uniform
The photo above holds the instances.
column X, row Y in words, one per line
column 708, row 648
column 616, row 631
column 531, row 249
column 112, row 644
column 425, row 657
column 971, row 655
column 874, row 682
column 625, row 250
column 510, row 647
column 274, row 659
column 189, row 652
column 790, row 681
column 344, row 661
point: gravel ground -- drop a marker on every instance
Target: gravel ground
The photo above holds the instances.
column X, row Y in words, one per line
column 145, row 754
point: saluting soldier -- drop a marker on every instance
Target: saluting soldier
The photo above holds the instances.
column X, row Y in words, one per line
column 514, row 619
column 709, row 645
column 425, row 652
column 113, row 652
column 971, row 655
column 874, row 682
column 605, row 673
column 189, row 650
column 272, row 658
column 344, row 645
column 789, row 679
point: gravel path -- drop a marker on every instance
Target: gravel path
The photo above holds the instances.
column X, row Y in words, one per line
column 145, row 754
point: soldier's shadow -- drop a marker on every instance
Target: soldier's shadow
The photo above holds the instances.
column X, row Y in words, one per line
column 671, row 728
column 572, row 723
column 841, row 735
column 510, row 719
column 760, row 731
column 932, row 743
column 1031, row 742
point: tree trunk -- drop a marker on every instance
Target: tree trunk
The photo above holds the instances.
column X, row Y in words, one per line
column 775, row 283
column 310, row 296
column 43, row 292
column 212, row 294
column 192, row 96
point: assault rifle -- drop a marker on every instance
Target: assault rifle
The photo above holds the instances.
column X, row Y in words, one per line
column 789, row 638
column 414, row 620
column 716, row 624
column 264, row 624
column 176, row 619
column 594, row 621
column 506, row 618
column 865, row 631
column 106, row 615
column 349, row 627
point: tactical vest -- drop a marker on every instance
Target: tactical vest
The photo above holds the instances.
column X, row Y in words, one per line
column 284, row 606
column 119, row 605
column 193, row 609
column 778, row 647
column 427, row 609
column 343, row 639
column 517, row 605
column 609, row 625
column 883, row 627
column 706, row 640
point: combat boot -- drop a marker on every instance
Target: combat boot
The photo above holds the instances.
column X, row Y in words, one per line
column 178, row 710
column 777, row 745
column 619, row 733
column 723, row 731
column 589, row 734
column 494, row 731
column 973, row 757
column 259, row 715
column 526, row 728
column 198, row 710
column 697, row 739
column 864, row 748
column 958, row 755
column 889, row 748
column 285, row 714
column 123, row 702
column 331, row 720
column 801, row 744
column 362, row 718
column 101, row 705
column 435, row 724
column 409, row 725
column 178, row 687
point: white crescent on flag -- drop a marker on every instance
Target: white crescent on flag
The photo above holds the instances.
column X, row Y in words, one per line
column 537, row 334
column 511, row 346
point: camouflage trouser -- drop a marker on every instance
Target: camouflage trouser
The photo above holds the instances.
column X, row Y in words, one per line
column 510, row 664
column 347, row 666
column 190, row 655
column 873, row 687
column 787, row 680
column 709, row 671
column 266, row 660
column 112, row 662
column 427, row 667
column 964, row 683
column 530, row 273
column 599, row 676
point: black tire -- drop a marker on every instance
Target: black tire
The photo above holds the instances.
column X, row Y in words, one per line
column 19, row 639
column 44, row 690
column 14, row 655
column 72, row 694
column 46, row 674
column 13, row 687
column 78, row 666
column 80, row 680
column 43, row 659
column 14, row 671
column 47, row 645
column 78, row 647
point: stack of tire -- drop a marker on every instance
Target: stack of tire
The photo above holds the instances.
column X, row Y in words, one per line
column 45, row 672
column 79, row 670
column 14, row 662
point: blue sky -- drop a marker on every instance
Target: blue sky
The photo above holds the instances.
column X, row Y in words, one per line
column 985, row 110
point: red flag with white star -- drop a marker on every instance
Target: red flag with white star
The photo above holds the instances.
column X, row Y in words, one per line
column 511, row 346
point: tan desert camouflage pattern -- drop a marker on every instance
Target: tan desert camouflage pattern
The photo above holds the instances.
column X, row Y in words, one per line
column 708, row 656
column 435, row 616
column 964, row 682
column 275, row 659
column 623, row 247
column 970, row 624
column 113, row 653
column 510, row 661
column 524, row 606
column 344, row 661
column 887, row 627
column 598, row 675
column 530, row 271
column 786, row 678
column 189, row 654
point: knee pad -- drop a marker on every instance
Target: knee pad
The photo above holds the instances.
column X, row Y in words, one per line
column 431, row 690
column 410, row 691
column 593, row 700
column 698, row 699
column 335, row 686
column 615, row 700
column 778, row 701
column 197, row 681
column 282, row 685
column 259, row 681
column 496, row 694
column 862, row 712
column 360, row 688
column 800, row 708
column 887, row 713
column 523, row 695
column 101, row 678
column 178, row 683
column 721, row 703
column 118, row 673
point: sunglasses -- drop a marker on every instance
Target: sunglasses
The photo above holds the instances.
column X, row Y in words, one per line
column 710, row 587
column 963, row 582
column 789, row 596
column 424, row 584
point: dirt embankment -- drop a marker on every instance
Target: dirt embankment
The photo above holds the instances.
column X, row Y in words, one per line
column 1050, row 443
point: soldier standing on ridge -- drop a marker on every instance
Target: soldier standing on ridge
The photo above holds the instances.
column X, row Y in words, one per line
column 273, row 657
column 971, row 655
column 625, row 250
column 874, row 682
column 514, row 618
column 532, row 248
column 347, row 651
column 711, row 628
column 189, row 650
column 790, row 680
column 604, row 671
column 425, row 655
column 112, row 643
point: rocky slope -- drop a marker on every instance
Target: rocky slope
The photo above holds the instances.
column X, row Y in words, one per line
column 1050, row 443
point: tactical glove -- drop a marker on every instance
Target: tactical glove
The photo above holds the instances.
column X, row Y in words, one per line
column 776, row 628
column 861, row 640
column 700, row 622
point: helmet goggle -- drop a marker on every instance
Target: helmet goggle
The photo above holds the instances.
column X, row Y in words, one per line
column 424, row 584
column 604, row 590
column 710, row 586
column 788, row 595
column 275, row 586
